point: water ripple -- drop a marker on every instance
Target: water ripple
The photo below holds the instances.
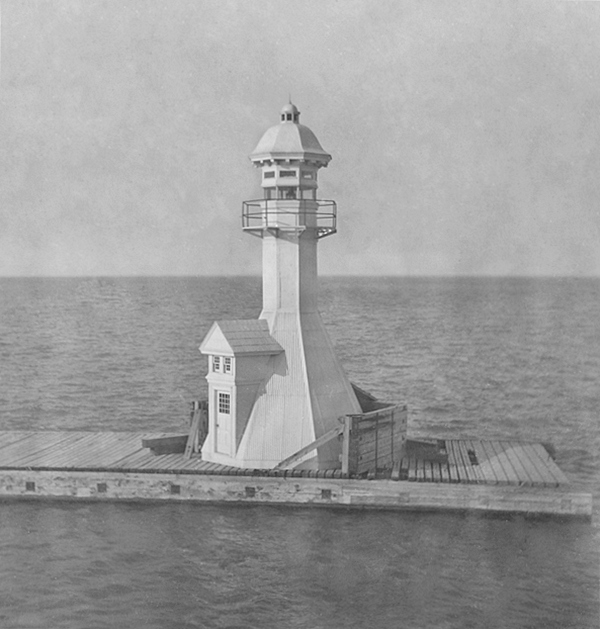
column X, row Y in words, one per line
column 493, row 358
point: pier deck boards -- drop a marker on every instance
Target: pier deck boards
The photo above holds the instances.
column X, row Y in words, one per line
column 486, row 475
column 496, row 462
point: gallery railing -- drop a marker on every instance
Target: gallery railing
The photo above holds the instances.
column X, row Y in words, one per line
column 290, row 215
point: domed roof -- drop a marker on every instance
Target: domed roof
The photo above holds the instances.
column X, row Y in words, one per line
column 289, row 140
column 290, row 108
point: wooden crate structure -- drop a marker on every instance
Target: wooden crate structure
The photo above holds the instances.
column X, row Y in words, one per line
column 373, row 441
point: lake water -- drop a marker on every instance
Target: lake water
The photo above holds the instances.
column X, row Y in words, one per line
column 491, row 358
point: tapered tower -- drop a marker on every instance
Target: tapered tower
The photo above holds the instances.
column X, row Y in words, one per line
column 293, row 385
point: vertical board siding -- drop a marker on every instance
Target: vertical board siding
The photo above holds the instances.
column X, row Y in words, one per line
column 374, row 440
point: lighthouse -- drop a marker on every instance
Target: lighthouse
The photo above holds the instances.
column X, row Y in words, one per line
column 275, row 384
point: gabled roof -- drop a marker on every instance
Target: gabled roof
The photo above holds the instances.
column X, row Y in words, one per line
column 245, row 336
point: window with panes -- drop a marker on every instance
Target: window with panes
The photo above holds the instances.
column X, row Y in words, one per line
column 224, row 403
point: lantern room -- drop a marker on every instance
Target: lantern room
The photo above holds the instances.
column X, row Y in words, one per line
column 290, row 156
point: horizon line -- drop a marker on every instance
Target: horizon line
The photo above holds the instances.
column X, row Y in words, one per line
column 325, row 275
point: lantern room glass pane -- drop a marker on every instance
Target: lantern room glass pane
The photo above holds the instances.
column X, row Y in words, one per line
column 287, row 193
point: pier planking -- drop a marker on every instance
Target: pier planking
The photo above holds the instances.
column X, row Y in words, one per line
column 489, row 463
column 119, row 455
column 513, row 476
column 524, row 471
column 455, row 458
column 474, row 472
column 543, row 457
column 536, row 471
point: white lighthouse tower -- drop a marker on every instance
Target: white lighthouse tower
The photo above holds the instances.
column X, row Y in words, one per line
column 275, row 384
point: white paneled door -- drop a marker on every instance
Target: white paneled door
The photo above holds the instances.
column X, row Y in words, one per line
column 223, row 421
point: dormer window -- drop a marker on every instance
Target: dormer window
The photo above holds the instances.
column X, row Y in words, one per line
column 222, row 364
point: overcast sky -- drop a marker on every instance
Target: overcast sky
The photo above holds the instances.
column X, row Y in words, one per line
column 465, row 135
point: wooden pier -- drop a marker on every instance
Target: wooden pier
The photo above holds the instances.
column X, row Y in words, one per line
column 463, row 474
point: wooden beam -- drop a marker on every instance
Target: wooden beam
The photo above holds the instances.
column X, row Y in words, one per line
column 379, row 411
column 346, row 444
column 322, row 440
column 194, row 428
